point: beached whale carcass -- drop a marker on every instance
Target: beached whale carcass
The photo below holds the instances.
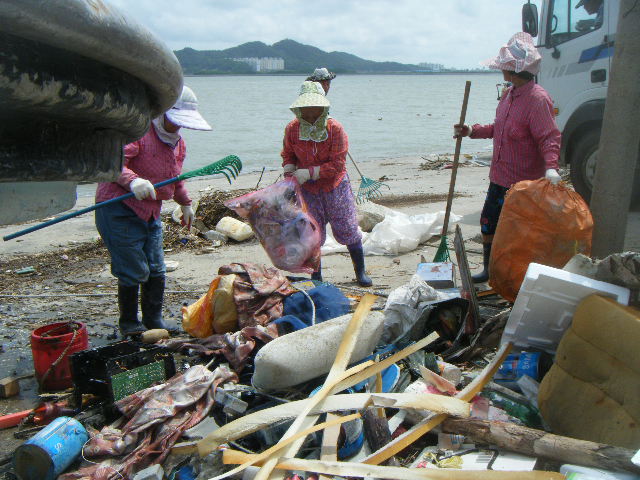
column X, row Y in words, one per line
column 78, row 80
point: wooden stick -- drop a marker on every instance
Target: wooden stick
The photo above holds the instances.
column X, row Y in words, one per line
column 536, row 443
column 262, row 419
column 335, row 375
column 351, row 469
column 386, row 363
column 265, row 456
column 329, row 447
column 376, row 431
column 426, row 425
column 456, row 160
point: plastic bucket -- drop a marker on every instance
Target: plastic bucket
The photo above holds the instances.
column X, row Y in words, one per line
column 48, row 343
column 51, row 451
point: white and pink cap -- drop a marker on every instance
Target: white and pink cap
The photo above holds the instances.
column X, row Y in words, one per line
column 518, row 55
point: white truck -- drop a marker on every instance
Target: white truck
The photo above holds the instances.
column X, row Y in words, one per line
column 576, row 39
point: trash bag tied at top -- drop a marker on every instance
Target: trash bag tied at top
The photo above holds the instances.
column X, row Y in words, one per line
column 279, row 217
column 542, row 223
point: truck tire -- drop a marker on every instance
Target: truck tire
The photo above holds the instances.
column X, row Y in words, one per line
column 583, row 167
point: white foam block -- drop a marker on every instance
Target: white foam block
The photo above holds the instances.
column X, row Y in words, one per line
column 545, row 305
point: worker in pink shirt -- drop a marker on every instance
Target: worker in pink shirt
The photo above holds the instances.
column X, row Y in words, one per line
column 314, row 152
column 526, row 139
column 132, row 229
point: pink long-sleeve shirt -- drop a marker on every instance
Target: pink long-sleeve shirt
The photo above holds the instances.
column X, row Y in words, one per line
column 526, row 139
column 152, row 159
column 330, row 155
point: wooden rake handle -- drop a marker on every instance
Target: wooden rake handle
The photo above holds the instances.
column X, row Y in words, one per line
column 456, row 160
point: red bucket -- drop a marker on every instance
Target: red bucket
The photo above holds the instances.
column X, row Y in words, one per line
column 51, row 342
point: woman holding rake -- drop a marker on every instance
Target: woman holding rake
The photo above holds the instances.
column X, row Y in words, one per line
column 132, row 229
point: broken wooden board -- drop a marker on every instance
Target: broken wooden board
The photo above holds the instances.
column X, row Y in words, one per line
column 351, row 469
column 335, row 375
column 419, row 429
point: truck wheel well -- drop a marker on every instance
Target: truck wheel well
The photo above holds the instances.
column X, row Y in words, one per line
column 578, row 133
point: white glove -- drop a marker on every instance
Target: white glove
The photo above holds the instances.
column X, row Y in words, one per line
column 302, row 175
column 142, row 189
column 187, row 215
column 462, row 130
column 552, row 175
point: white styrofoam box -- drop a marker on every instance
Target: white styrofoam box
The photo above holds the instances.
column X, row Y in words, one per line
column 545, row 305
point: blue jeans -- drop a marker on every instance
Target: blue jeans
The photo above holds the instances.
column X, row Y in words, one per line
column 135, row 246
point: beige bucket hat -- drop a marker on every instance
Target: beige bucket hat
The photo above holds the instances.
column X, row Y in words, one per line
column 311, row 95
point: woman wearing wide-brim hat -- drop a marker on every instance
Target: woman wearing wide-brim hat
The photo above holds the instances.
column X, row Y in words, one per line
column 323, row 77
column 314, row 152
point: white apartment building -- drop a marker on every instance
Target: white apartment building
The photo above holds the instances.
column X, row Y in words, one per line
column 264, row 64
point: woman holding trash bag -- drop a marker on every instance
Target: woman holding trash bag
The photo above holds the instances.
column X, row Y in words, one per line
column 131, row 229
column 526, row 139
column 314, row 152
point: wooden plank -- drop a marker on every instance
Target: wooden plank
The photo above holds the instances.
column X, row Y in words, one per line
column 537, row 443
column 329, row 447
column 261, row 419
column 351, row 469
column 426, row 425
column 243, row 426
column 335, row 375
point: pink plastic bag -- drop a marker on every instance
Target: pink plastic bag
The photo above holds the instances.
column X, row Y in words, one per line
column 280, row 220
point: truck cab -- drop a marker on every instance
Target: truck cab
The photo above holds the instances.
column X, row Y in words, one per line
column 576, row 39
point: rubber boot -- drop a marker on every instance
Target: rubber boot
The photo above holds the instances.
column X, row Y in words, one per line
column 357, row 257
column 152, row 296
column 483, row 276
column 317, row 275
column 128, row 305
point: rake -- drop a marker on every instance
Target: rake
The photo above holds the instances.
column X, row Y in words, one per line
column 368, row 188
column 229, row 166
column 442, row 254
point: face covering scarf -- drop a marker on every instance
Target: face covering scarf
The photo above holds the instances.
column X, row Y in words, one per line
column 169, row 138
column 316, row 132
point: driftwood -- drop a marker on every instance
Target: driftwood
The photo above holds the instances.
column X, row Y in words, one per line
column 352, row 469
column 537, row 443
column 426, row 425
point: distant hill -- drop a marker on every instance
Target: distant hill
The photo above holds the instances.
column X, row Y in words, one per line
column 298, row 58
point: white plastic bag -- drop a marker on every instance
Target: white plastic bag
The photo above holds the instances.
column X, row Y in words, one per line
column 401, row 310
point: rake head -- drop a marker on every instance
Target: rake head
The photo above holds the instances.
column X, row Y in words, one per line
column 369, row 190
column 228, row 166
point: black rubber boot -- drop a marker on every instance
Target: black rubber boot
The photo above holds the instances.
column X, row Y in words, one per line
column 483, row 276
column 317, row 275
column 128, row 305
column 152, row 296
column 357, row 257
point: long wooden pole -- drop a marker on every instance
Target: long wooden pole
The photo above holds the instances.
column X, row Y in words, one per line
column 456, row 159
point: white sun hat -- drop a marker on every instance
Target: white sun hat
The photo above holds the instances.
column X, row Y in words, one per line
column 185, row 112
column 518, row 55
column 311, row 95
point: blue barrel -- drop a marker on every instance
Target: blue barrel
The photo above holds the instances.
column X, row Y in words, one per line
column 51, row 451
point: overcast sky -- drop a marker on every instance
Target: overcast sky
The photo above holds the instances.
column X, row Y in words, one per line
column 456, row 33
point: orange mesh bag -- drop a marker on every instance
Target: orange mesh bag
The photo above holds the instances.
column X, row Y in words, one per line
column 542, row 223
column 197, row 318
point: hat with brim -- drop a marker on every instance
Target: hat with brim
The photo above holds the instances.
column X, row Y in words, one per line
column 321, row 74
column 185, row 112
column 190, row 119
column 518, row 55
column 311, row 95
